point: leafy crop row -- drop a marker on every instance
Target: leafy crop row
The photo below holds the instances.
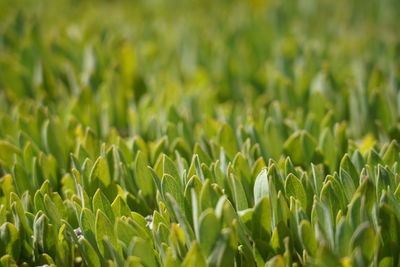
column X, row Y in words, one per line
column 199, row 133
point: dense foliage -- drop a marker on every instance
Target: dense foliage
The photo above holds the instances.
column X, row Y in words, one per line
column 200, row 133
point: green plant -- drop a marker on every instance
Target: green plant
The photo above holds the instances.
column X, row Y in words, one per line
column 176, row 134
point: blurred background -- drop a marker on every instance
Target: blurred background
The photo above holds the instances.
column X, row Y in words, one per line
column 133, row 65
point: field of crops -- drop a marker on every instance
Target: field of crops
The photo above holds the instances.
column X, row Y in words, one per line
column 200, row 133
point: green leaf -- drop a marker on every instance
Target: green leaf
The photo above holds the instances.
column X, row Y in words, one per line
column 384, row 179
column 321, row 215
column 3, row 214
column 209, row 229
column 223, row 253
column 21, row 179
column 170, row 185
column 332, row 196
column 7, row 261
column 44, row 233
column 347, row 185
column 274, row 138
column 10, row 242
column 19, row 214
column 386, row 262
column 262, row 219
column 392, row 153
column 208, row 196
column 170, row 168
column 389, row 224
column 194, row 257
column 6, row 186
column 100, row 174
column 52, row 134
column 87, row 223
column 49, row 167
column 181, row 218
column 328, row 146
column 143, row 176
column 104, row 229
column 261, row 185
column 365, row 238
column 125, row 231
column 282, row 213
column 347, row 166
column 239, row 193
column 276, row 261
column 120, row 208
column 343, row 238
column 66, row 237
column 142, row 249
column 326, row 257
column 114, row 253
column 133, row 261
column 308, row 238
column 294, row 188
column 45, row 259
column 88, row 253
column 281, row 231
column 140, row 222
column 227, row 140
column 7, row 152
column 300, row 147
column 170, row 259
column 137, row 229
column 101, row 202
